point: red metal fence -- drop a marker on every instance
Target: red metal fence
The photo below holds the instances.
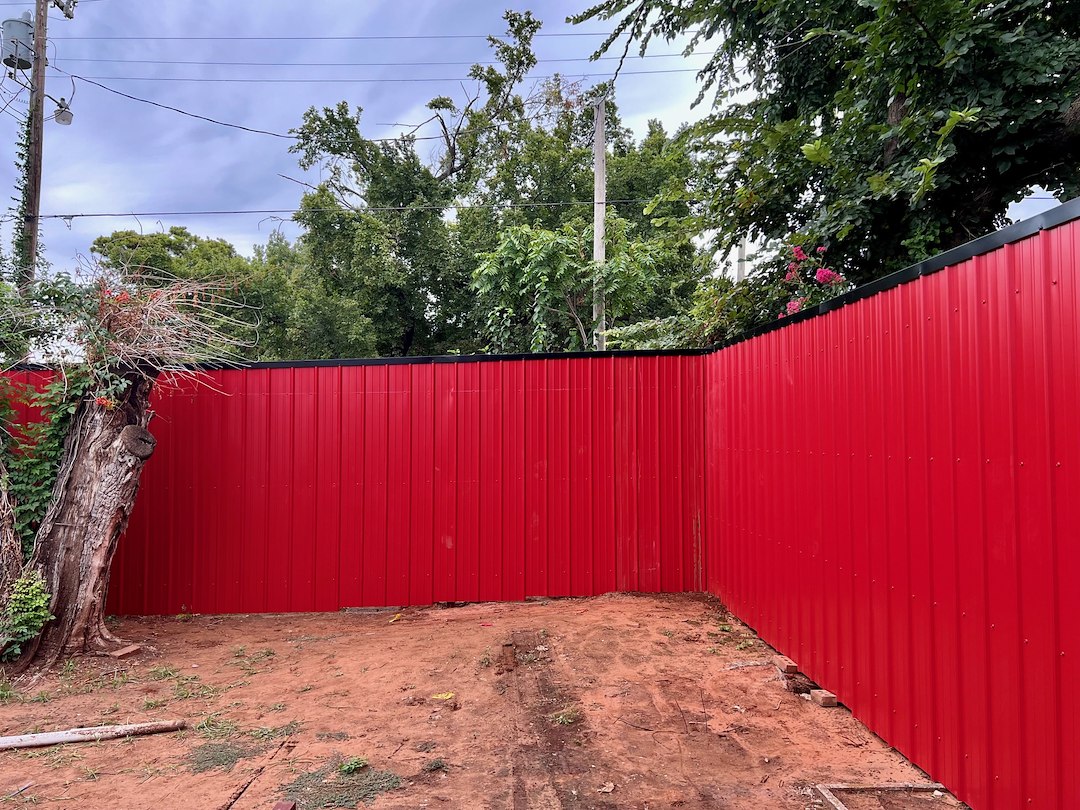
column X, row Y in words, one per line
column 889, row 493
column 320, row 487
column 894, row 502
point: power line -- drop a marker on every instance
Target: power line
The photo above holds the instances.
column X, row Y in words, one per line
column 178, row 110
column 241, row 126
column 372, row 209
column 392, row 79
column 343, row 38
column 363, row 64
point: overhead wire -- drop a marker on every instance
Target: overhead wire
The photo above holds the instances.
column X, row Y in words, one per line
column 278, row 64
column 321, row 38
column 346, row 210
column 385, row 80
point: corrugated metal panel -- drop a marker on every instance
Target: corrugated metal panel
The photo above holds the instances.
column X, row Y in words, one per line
column 316, row 488
column 893, row 503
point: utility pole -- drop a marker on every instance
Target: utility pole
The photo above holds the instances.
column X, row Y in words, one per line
column 37, row 130
column 32, row 220
column 740, row 268
column 599, row 236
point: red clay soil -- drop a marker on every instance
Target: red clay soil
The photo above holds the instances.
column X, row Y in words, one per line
column 617, row 701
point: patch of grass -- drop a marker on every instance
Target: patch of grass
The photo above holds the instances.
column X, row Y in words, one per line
column 59, row 756
column 744, row 645
column 273, row 732
column 190, row 686
column 213, row 727
column 352, row 765
column 566, row 716
column 339, row 736
column 305, row 688
column 485, row 660
column 153, row 704
column 424, row 746
column 117, row 679
column 221, row 755
column 277, row 707
column 328, row 787
column 435, row 765
column 7, row 691
column 68, row 669
column 668, row 633
column 249, row 662
column 163, row 673
column 41, row 697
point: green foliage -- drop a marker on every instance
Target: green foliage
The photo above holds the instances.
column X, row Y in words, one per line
column 537, row 285
column 20, row 271
column 26, row 612
column 32, row 454
column 887, row 129
column 511, row 270
column 352, row 765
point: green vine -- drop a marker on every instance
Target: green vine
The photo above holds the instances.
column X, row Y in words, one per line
column 26, row 613
column 32, row 456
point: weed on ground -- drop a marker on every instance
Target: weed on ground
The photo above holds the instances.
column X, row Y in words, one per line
column 215, row 727
column 221, row 755
column 273, row 732
column 566, row 716
column 330, row 786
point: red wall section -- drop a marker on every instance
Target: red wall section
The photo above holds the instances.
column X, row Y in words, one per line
column 889, row 493
column 894, row 502
column 317, row 488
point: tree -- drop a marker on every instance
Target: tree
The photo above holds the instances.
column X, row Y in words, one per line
column 73, row 479
column 889, row 129
column 179, row 254
column 536, row 287
column 376, row 230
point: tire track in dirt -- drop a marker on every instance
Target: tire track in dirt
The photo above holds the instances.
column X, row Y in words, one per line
column 550, row 759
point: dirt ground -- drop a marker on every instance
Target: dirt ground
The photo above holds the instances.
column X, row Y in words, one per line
column 617, row 701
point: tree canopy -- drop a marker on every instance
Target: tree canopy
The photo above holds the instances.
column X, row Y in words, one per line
column 890, row 129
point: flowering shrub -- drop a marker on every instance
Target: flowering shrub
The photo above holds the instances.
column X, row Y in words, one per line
column 808, row 281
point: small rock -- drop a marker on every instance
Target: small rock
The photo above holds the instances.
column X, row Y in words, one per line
column 607, row 787
column 938, row 794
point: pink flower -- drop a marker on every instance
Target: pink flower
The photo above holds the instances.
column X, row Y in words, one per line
column 821, row 249
column 783, row 314
column 798, row 253
column 793, row 266
column 826, row 276
column 791, row 276
column 795, row 306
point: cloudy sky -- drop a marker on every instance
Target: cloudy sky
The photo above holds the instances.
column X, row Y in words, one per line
column 123, row 156
column 127, row 157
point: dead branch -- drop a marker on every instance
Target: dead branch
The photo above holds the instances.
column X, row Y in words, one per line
column 94, row 734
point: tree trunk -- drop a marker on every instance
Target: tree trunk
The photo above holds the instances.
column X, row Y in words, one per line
column 94, row 493
column 10, row 544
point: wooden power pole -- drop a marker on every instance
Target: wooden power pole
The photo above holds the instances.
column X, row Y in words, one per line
column 31, row 223
column 32, row 214
column 599, row 236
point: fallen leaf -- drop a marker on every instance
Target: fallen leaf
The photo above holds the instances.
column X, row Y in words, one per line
column 396, row 617
column 443, row 696
column 607, row 787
